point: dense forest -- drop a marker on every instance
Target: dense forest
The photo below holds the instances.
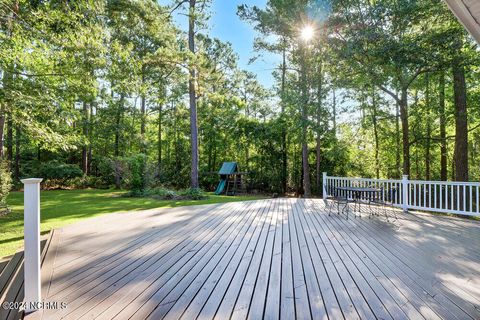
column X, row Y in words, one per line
column 114, row 93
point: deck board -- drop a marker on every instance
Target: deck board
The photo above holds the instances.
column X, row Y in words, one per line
column 211, row 272
column 387, row 279
column 180, row 273
column 390, row 250
column 287, row 298
column 254, row 280
column 273, row 259
column 230, row 280
column 431, row 262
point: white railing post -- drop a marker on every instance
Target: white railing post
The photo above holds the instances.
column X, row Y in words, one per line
column 324, row 186
column 405, row 193
column 32, row 243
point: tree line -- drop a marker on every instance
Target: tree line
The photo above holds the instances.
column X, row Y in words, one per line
column 97, row 93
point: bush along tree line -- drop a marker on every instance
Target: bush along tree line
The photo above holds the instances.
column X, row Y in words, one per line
column 113, row 93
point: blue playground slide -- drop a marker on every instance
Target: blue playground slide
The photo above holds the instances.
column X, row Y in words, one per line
column 221, row 186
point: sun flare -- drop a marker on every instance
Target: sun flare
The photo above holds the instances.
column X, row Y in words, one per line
column 307, row 33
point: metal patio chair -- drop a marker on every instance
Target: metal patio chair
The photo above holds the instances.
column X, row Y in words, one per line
column 335, row 196
column 385, row 200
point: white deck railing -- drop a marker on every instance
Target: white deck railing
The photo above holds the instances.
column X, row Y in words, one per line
column 437, row 196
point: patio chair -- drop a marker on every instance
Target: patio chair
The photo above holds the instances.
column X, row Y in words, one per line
column 335, row 197
column 385, row 200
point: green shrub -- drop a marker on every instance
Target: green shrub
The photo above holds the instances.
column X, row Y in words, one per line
column 138, row 171
column 5, row 183
column 56, row 174
column 103, row 168
column 54, row 170
column 88, row 182
column 162, row 193
column 193, row 194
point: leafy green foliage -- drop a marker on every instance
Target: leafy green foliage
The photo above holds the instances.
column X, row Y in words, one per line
column 54, row 170
column 138, row 175
column 5, row 184
column 193, row 194
column 162, row 193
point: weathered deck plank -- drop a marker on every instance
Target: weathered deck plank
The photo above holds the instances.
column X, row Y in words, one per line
column 259, row 263
column 272, row 259
column 149, row 295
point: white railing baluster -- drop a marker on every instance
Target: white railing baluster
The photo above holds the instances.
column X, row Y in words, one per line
column 446, row 197
column 424, row 194
column 415, row 194
column 458, row 197
column 476, row 199
column 427, row 195
column 31, row 268
column 470, row 200
column 439, row 196
column 451, row 197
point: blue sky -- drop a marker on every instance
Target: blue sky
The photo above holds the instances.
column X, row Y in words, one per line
column 227, row 26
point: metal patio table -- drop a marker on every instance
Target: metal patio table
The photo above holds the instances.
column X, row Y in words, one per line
column 360, row 193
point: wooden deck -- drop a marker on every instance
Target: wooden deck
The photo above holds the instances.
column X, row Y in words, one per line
column 275, row 258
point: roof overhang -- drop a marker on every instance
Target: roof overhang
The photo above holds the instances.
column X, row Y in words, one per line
column 468, row 13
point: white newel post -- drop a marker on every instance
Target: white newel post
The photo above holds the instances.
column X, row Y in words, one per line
column 32, row 242
column 405, row 193
column 324, row 186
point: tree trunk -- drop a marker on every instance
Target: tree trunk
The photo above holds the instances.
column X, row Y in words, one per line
column 429, row 129
column 117, row 126
column 143, row 109
column 334, row 110
column 2, row 130
column 193, row 98
column 7, row 76
column 247, row 142
column 301, row 189
column 85, row 135
column 9, row 141
column 318, row 174
column 403, row 104
column 318, row 154
column 443, row 131
column 90, row 139
column 159, row 145
column 304, row 118
column 143, row 116
column 284, row 130
column 461, row 127
column 375, row 135
column 118, row 173
column 397, row 141
column 18, row 134
column 214, row 161
column 210, row 156
column 417, row 165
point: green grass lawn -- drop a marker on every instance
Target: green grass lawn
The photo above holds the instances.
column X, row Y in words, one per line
column 61, row 207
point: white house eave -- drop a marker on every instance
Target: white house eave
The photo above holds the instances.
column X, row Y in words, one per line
column 468, row 13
